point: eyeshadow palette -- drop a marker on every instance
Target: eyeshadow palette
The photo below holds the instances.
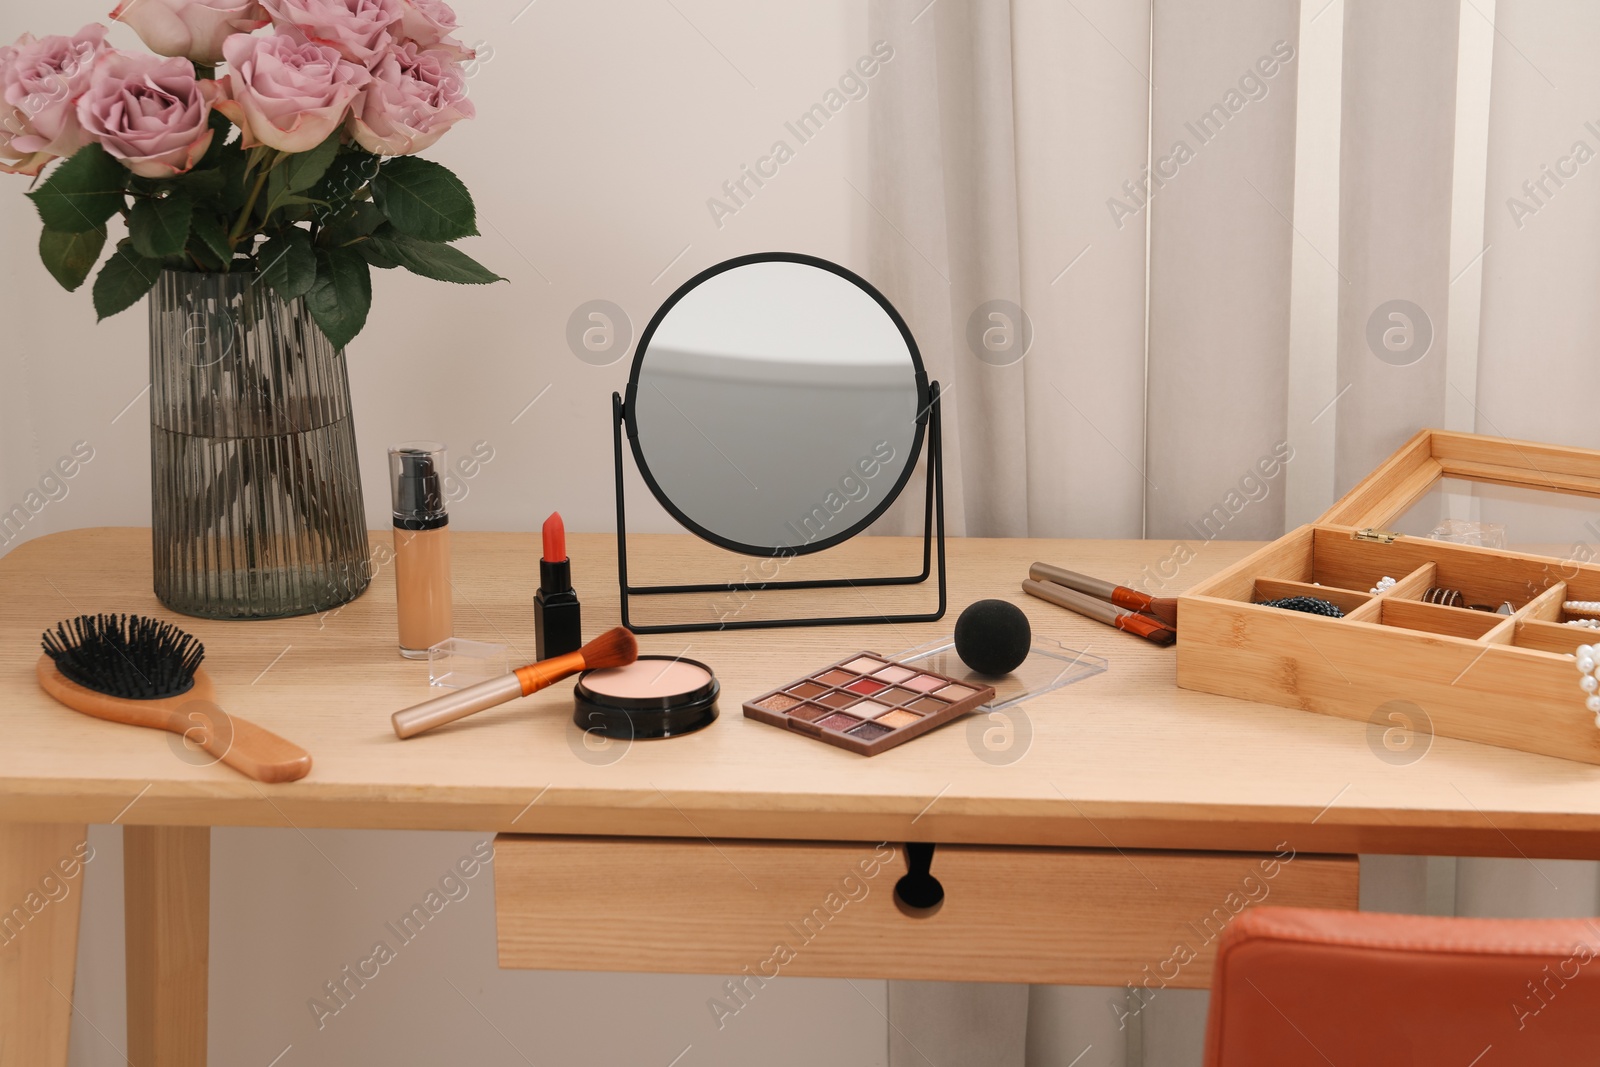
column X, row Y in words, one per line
column 868, row 703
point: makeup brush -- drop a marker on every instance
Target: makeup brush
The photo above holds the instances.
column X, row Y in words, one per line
column 1152, row 630
column 1164, row 608
column 614, row 648
column 144, row 672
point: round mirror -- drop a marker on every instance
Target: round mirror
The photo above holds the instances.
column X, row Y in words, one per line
column 777, row 404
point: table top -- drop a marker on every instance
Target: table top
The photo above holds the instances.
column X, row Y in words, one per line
column 1123, row 758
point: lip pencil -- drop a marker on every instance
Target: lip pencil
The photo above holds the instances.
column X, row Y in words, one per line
column 1152, row 630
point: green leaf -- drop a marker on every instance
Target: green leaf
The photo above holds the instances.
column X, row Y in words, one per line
column 345, row 180
column 70, row 256
column 374, row 256
column 213, row 234
column 160, row 227
column 202, row 183
column 304, row 169
column 221, row 129
column 431, row 260
column 362, row 218
column 232, row 195
column 341, row 296
column 81, row 193
column 289, row 263
column 125, row 278
column 424, row 200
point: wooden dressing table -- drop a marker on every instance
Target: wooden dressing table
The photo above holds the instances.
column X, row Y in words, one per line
column 1111, row 823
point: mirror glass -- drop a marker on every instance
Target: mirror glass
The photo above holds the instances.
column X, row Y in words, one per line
column 774, row 404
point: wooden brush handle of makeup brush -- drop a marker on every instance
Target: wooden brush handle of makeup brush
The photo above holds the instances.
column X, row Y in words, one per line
column 1152, row 630
column 475, row 698
column 1164, row 608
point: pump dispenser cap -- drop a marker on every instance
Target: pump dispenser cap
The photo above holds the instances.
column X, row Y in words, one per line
column 416, row 471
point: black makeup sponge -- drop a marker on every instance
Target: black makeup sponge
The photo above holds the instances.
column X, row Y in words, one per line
column 992, row 636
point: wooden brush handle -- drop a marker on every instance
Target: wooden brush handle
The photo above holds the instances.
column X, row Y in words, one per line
column 458, row 705
column 1152, row 630
column 252, row 750
column 1163, row 608
column 241, row 744
column 521, row 682
column 1120, row 595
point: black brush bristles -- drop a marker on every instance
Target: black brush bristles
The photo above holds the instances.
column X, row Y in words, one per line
column 128, row 656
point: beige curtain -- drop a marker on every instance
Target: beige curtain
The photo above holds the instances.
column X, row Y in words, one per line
column 1008, row 170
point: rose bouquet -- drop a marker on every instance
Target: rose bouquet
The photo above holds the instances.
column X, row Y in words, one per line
column 296, row 161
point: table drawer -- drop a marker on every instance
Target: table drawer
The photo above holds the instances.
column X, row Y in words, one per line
column 763, row 908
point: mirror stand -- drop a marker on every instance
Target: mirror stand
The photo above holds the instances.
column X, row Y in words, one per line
column 932, row 553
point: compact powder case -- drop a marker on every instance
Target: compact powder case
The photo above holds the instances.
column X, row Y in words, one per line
column 654, row 696
column 868, row 703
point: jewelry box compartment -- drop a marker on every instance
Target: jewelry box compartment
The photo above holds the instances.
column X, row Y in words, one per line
column 1478, row 639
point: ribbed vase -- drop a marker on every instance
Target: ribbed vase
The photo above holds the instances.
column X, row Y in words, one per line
column 255, row 489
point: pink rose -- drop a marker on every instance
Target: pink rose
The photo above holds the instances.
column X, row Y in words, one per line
column 40, row 82
column 190, row 28
column 415, row 96
column 358, row 29
column 430, row 23
column 285, row 93
column 149, row 112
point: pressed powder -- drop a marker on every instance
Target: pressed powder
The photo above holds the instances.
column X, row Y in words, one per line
column 654, row 696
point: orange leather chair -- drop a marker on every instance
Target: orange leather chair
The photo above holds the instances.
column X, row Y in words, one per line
column 1298, row 987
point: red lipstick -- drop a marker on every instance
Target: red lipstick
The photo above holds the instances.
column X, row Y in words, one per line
column 555, row 538
column 557, row 624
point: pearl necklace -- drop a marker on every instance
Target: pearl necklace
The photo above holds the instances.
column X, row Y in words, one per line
column 1586, row 681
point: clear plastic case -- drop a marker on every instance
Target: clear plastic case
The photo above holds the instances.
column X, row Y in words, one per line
column 1049, row 666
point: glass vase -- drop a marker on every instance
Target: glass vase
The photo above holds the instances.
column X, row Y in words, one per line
column 255, row 489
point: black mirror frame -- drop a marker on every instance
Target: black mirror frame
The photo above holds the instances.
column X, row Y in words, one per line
column 630, row 407
column 928, row 430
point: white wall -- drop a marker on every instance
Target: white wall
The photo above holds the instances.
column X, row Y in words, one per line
column 602, row 131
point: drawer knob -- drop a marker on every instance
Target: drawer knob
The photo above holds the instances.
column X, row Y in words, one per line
column 918, row 893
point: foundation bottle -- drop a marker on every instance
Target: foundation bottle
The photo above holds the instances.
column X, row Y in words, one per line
column 421, row 546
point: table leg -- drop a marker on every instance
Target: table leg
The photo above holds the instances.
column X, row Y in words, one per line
column 167, row 903
column 41, row 888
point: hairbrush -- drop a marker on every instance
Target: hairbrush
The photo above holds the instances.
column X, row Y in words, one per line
column 144, row 672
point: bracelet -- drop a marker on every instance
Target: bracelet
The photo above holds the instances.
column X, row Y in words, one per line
column 1450, row 598
column 1310, row 604
column 1581, row 607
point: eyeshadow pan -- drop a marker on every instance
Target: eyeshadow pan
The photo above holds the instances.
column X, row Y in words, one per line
column 811, row 713
column 867, row 703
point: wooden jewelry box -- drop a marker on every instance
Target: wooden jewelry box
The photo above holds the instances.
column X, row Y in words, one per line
column 1394, row 659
